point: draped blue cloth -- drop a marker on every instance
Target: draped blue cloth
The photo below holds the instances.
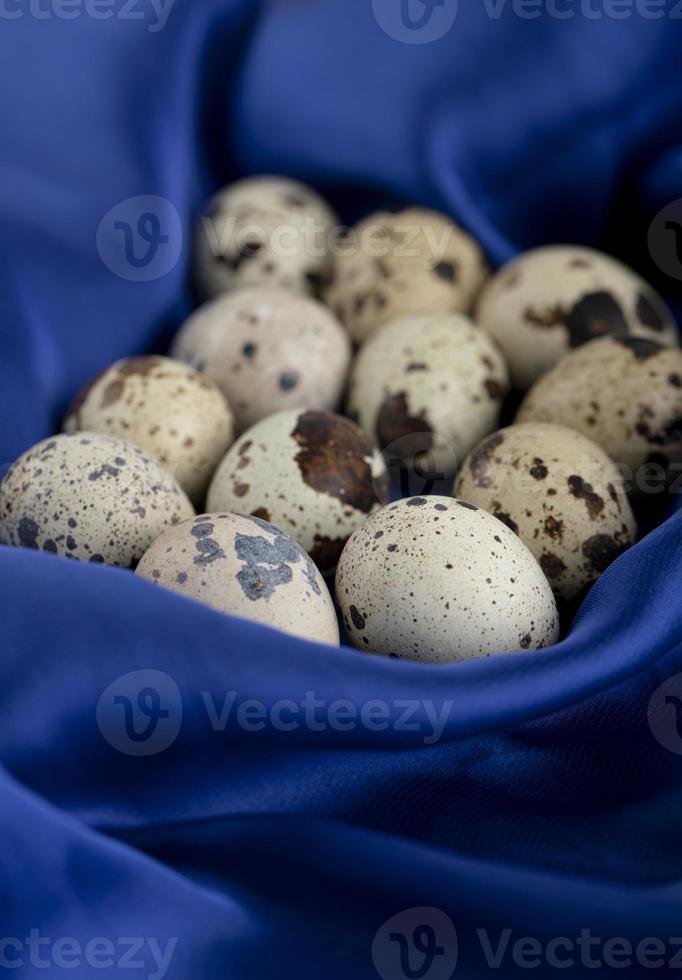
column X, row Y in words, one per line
column 545, row 802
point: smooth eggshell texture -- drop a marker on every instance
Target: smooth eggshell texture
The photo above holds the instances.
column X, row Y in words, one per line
column 267, row 351
column 438, row 580
column 247, row 568
column 624, row 393
column 166, row 408
column 554, row 298
column 413, row 261
column 264, row 231
column 312, row 474
column 560, row 493
column 90, row 497
column 434, row 382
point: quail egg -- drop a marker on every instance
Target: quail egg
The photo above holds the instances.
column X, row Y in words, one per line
column 560, row 493
column 90, row 497
column 244, row 567
column 438, row 580
column 428, row 384
column 165, row 408
column 315, row 475
column 264, row 231
column 554, row 298
column 267, row 350
column 624, row 393
column 396, row 264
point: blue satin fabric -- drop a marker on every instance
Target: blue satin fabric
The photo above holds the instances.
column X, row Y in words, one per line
column 546, row 806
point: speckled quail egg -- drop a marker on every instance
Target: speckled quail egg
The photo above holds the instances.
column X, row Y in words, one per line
column 90, row 497
column 624, row 393
column 269, row 231
column 431, row 383
column 315, row 475
column 554, row 298
column 244, row 567
column 560, row 493
column 396, row 264
column 267, row 351
column 165, row 408
column 438, row 580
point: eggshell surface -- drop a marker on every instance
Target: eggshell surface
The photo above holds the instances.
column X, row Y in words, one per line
column 89, row 497
column 264, row 231
column 552, row 299
column 314, row 475
column 624, row 393
column 396, row 264
column 560, row 493
column 434, row 382
column 438, row 580
column 267, row 351
column 164, row 407
column 247, row 568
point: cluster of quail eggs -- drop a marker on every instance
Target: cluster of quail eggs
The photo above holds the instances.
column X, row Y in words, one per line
column 227, row 473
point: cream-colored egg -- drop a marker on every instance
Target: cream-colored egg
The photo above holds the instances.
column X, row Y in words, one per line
column 247, row 568
column 264, row 231
column 164, row 407
column 438, row 580
column 560, row 493
column 624, row 393
column 267, row 351
column 396, row 264
column 90, row 497
column 552, row 299
column 314, row 475
column 430, row 384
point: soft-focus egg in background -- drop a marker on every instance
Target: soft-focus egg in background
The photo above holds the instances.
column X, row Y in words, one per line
column 267, row 350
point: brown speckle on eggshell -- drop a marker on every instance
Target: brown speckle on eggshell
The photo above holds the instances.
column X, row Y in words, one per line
column 558, row 491
column 164, row 407
column 558, row 297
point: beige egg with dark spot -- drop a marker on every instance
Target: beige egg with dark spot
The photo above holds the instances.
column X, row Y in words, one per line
column 267, row 351
column 264, row 231
column 314, row 475
column 624, row 393
column 428, row 387
column 560, row 493
column 164, row 407
column 396, row 264
column 552, row 299
column 438, row 580
column 247, row 568
column 89, row 497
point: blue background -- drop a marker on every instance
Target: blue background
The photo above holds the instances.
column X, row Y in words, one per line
column 548, row 805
